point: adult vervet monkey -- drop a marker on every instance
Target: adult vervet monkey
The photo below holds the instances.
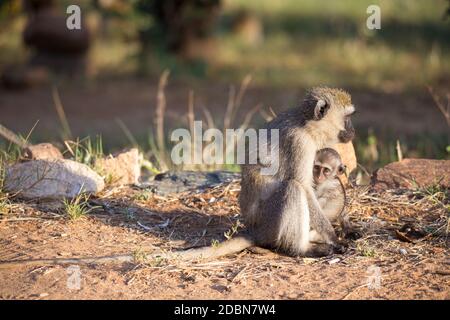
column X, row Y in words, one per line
column 281, row 209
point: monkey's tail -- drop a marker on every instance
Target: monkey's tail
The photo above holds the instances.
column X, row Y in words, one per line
column 203, row 253
column 345, row 197
column 233, row 245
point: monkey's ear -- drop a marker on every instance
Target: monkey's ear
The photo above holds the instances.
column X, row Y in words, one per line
column 320, row 109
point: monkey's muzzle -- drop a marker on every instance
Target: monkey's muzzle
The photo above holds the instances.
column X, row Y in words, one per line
column 348, row 134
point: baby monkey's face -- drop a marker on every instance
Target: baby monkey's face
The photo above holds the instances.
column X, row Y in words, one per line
column 327, row 166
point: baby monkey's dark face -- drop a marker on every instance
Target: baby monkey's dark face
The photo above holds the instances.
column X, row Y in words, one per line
column 327, row 165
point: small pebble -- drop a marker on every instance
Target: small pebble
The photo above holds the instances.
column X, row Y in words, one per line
column 336, row 260
column 403, row 251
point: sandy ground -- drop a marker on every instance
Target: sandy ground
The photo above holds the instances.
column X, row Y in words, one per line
column 376, row 266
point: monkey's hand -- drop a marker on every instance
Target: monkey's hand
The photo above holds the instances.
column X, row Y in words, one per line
column 352, row 234
column 319, row 250
column 326, row 249
column 340, row 246
column 348, row 231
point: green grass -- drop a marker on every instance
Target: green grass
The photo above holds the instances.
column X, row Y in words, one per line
column 436, row 193
column 143, row 195
column 439, row 196
column 10, row 153
column 4, row 202
column 313, row 42
column 77, row 207
column 4, row 206
column 306, row 42
column 404, row 10
column 365, row 249
column 86, row 150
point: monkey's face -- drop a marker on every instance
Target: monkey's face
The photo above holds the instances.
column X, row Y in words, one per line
column 340, row 119
column 348, row 133
column 333, row 110
column 327, row 166
column 324, row 172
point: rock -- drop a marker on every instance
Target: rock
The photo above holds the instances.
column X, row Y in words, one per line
column 121, row 168
column 348, row 155
column 176, row 182
column 333, row 261
column 292, row 296
column 412, row 173
column 220, row 288
column 51, row 179
column 43, row 151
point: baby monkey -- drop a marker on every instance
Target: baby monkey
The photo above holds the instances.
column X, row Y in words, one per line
column 329, row 190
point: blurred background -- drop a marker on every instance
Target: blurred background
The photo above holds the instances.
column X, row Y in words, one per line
column 231, row 63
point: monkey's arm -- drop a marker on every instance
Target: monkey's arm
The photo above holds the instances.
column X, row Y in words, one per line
column 318, row 220
column 333, row 200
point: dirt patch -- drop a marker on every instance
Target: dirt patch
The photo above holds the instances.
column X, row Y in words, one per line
column 377, row 266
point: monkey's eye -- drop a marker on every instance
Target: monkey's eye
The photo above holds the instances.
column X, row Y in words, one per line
column 322, row 109
column 326, row 171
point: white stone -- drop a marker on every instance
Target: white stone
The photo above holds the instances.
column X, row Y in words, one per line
column 51, row 179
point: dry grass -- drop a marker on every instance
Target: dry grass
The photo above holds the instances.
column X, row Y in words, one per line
column 66, row 132
column 159, row 145
column 426, row 210
column 445, row 110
